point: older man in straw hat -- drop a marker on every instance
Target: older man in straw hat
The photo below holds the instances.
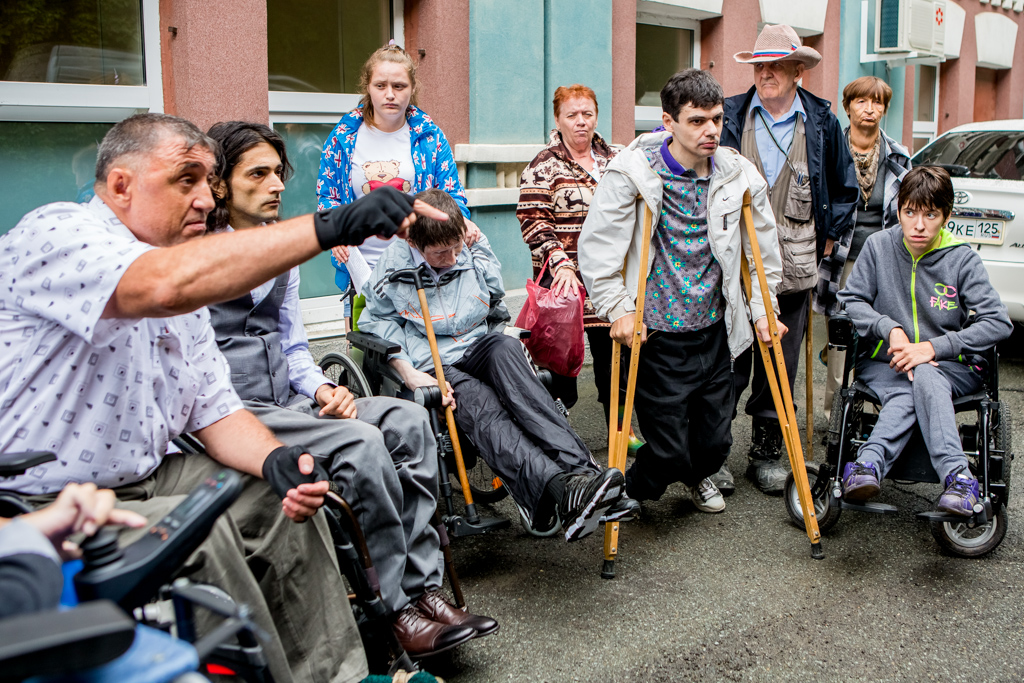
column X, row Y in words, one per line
column 796, row 143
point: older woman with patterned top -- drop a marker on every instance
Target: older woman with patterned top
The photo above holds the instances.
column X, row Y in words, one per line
column 881, row 163
column 554, row 197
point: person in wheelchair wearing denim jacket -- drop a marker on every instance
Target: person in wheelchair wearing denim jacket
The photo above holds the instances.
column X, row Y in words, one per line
column 910, row 295
column 498, row 401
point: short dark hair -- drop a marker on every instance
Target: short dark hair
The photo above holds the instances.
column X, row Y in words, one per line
column 235, row 139
column 140, row 134
column 427, row 232
column 695, row 87
column 927, row 187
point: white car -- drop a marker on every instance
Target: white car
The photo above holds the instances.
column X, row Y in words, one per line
column 986, row 161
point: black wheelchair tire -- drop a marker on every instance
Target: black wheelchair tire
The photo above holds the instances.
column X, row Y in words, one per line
column 955, row 539
column 827, row 513
column 481, row 483
column 345, row 372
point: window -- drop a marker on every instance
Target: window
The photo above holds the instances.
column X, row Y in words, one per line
column 68, row 70
column 46, row 162
column 304, row 142
column 926, row 105
column 980, row 154
column 315, row 50
column 664, row 45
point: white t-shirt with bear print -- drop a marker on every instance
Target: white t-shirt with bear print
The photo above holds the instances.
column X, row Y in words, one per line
column 381, row 158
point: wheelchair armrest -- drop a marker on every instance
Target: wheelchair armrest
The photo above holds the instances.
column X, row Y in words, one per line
column 371, row 343
column 14, row 464
column 54, row 642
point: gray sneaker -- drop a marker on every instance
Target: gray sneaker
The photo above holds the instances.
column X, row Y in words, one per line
column 768, row 475
column 723, row 480
column 706, row 497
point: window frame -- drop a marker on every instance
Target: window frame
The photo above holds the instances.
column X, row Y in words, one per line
column 648, row 118
column 927, row 130
column 48, row 102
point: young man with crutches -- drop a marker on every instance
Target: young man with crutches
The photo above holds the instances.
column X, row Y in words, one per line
column 696, row 318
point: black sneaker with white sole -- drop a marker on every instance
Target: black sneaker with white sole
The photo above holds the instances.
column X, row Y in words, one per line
column 586, row 498
column 625, row 510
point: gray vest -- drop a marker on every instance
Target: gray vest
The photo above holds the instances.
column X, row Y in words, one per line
column 248, row 337
column 790, row 198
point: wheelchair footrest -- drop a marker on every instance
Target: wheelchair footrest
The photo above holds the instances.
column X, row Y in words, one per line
column 877, row 508
column 936, row 516
column 459, row 526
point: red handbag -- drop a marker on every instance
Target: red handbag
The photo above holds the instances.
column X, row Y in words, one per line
column 556, row 328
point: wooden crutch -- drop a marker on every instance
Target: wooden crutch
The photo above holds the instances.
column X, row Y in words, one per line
column 618, row 435
column 809, row 369
column 779, row 385
column 417, row 274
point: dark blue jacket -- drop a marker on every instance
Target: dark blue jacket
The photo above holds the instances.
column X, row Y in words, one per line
column 834, row 188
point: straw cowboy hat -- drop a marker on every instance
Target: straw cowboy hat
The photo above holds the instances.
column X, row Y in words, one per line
column 777, row 43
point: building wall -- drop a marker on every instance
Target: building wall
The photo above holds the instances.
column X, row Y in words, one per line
column 215, row 64
column 851, row 68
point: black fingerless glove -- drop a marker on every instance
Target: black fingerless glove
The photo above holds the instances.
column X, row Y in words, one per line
column 281, row 470
column 379, row 213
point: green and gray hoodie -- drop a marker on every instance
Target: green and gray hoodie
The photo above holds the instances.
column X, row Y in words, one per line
column 930, row 297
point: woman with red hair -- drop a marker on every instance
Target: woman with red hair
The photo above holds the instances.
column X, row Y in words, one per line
column 554, row 197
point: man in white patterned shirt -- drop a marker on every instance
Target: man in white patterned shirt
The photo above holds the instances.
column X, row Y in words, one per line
column 109, row 353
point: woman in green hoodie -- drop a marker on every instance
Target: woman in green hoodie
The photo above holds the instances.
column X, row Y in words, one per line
column 910, row 295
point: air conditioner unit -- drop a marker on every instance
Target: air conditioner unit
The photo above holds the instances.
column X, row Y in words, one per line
column 910, row 26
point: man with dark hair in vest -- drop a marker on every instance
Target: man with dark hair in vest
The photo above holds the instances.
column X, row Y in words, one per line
column 379, row 451
column 797, row 144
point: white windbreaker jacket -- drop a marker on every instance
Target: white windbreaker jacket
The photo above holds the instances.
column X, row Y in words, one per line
column 609, row 246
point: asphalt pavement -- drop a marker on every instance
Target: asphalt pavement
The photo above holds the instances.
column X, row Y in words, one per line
column 736, row 596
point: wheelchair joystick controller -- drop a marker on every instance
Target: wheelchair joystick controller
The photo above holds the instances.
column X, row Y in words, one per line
column 132, row 575
column 101, row 549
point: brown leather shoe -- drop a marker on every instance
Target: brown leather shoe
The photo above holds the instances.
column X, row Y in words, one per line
column 421, row 637
column 433, row 604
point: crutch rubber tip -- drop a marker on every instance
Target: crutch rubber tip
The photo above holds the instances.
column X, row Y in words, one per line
column 608, row 569
column 817, row 552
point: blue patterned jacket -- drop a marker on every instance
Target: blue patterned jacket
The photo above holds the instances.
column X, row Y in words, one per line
column 431, row 156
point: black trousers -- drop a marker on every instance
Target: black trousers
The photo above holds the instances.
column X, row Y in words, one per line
column 793, row 314
column 684, row 406
column 601, row 350
column 512, row 420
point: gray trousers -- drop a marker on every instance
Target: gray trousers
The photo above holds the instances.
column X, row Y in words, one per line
column 285, row 572
column 927, row 401
column 385, row 465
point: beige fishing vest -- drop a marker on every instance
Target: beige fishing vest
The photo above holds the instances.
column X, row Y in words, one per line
column 791, row 204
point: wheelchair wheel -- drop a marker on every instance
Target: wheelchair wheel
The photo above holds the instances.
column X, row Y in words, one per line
column 827, row 513
column 344, row 372
column 483, row 483
column 961, row 540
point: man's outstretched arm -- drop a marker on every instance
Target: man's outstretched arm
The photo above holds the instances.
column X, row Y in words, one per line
column 175, row 280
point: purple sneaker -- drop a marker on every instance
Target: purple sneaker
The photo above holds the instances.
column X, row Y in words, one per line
column 961, row 493
column 860, row 481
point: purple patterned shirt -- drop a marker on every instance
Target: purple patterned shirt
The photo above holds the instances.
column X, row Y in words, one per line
column 684, row 287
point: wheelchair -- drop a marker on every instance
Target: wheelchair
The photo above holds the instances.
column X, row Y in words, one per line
column 986, row 441
column 115, row 582
column 365, row 371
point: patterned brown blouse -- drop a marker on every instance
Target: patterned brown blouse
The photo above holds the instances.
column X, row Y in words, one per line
column 554, row 197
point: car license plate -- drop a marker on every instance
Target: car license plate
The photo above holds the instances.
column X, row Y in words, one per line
column 979, row 230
